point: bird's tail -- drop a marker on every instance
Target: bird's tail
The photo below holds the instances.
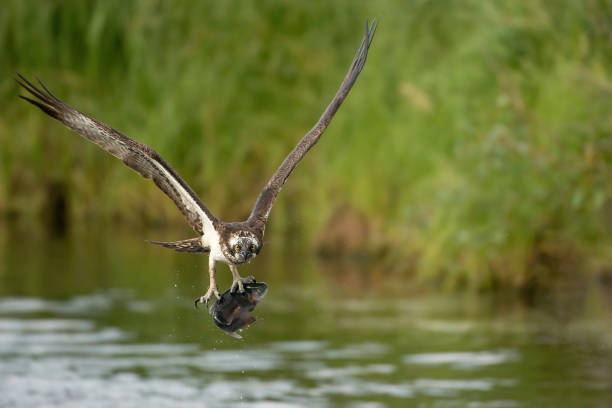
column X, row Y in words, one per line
column 186, row 245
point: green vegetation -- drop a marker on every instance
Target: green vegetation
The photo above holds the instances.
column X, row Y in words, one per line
column 477, row 143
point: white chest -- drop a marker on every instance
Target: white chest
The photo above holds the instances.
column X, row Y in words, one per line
column 211, row 239
column 215, row 252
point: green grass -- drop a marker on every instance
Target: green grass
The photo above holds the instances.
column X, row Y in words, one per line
column 477, row 141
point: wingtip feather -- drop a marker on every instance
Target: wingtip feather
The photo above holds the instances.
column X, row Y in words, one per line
column 46, row 89
column 48, row 109
column 43, row 94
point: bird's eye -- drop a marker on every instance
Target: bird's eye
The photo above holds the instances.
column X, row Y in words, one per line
column 252, row 247
column 237, row 247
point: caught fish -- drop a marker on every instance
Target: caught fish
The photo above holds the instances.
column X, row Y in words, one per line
column 232, row 312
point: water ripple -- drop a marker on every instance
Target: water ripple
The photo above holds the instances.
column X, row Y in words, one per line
column 463, row 360
column 350, row 370
column 38, row 325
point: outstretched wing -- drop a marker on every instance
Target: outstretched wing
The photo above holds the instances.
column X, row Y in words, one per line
column 265, row 201
column 135, row 155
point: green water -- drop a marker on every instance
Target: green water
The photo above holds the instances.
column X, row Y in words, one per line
column 100, row 319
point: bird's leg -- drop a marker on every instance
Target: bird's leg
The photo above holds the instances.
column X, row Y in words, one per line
column 212, row 287
column 237, row 283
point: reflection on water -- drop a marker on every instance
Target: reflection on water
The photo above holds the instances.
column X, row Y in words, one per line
column 465, row 360
column 114, row 325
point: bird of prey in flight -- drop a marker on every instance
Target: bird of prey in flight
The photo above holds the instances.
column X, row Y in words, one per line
column 233, row 243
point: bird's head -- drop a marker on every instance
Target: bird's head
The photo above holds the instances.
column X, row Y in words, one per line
column 242, row 247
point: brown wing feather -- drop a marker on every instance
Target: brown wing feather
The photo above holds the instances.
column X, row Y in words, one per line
column 265, row 201
column 186, row 245
column 135, row 155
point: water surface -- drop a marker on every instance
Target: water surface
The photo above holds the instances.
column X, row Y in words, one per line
column 104, row 320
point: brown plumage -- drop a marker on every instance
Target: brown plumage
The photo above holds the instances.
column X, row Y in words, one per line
column 186, row 245
column 232, row 243
column 135, row 155
column 266, row 199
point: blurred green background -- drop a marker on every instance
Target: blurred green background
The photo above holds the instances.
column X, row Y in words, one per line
column 475, row 150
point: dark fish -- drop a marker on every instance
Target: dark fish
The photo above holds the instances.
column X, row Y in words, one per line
column 232, row 311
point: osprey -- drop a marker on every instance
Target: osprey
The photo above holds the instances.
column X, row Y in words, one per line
column 233, row 243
